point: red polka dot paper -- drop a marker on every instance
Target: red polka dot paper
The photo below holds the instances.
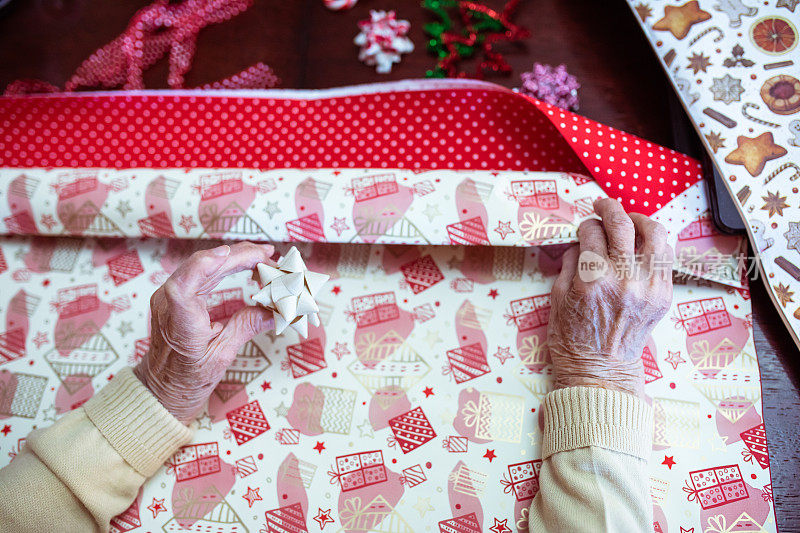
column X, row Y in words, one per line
column 415, row 125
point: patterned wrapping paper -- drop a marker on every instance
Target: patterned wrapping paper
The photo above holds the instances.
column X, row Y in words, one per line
column 736, row 67
column 415, row 405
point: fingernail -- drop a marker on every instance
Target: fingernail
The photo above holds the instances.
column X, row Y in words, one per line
column 222, row 251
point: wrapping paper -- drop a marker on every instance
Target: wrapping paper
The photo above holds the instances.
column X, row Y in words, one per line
column 735, row 68
column 416, row 403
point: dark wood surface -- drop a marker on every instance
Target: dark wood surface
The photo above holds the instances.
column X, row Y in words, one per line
column 311, row 47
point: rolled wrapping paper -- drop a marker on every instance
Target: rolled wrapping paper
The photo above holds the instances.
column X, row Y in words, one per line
column 288, row 289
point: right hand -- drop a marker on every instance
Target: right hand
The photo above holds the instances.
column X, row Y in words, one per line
column 598, row 327
column 188, row 353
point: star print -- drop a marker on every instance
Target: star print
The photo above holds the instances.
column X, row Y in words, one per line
column 48, row 221
column 490, row 455
column 124, row 207
column 687, row 530
column 504, row 229
column 319, row 447
column 157, row 506
column 187, row 223
column 718, row 443
column 754, row 152
column 272, row 209
column 503, row 353
column 432, row 337
column 788, row 4
column 774, row 203
column 793, row 236
column 265, row 386
column 727, row 89
column 532, row 438
column 493, row 294
column 500, row 527
column 339, row 226
column 365, row 430
column 431, row 211
column 674, row 359
column 40, row 339
column 427, row 391
column 6, row 430
column 340, row 349
column 699, row 62
column 336, row 290
column 644, row 11
column 124, row 328
column 715, row 141
column 50, row 413
column 669, row 460
column 678, row 20
column 204, row 422
column 252, row 496
column 323, row 518
column 783, row 294
column 423, row 505
column 282, row 410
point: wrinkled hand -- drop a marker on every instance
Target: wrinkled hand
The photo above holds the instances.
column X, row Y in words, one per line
column 188, row 353
column 601, row 318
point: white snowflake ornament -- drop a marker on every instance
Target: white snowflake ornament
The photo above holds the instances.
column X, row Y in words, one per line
column 288, row 290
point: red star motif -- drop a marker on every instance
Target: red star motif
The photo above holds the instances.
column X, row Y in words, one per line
column 669, row 461
column 504, row 229
column 40, row 339
column 427, row 391
column 265, row 386
column 6, row 430
column 187, row 223
column 687, row 530
column 319, row 447
column 157, row 506
column 674, row 359
column 493, row 294
column 252, row 496
column 340, row 349
column 336, row 290
column 48, row 221
column 323, row 518
column 490, row 454
column 339, row 226
column 500, row 527
column 503, row 353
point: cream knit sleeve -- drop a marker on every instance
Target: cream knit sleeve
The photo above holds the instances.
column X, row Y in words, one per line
column 79, row 473
column 594, row 473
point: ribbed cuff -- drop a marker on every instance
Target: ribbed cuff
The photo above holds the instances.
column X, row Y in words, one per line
column 576, row 417
column 133, row 421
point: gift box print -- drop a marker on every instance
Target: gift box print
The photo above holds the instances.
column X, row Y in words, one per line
column 196, row 460
column 713, row 487
column 358, row 470
column 536, row 193
column 701, row 316
column 531, row 312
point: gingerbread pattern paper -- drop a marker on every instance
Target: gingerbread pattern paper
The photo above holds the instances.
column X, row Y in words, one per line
column 736, row 68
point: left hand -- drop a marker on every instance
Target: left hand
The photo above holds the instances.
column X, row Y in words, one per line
column 188, row 353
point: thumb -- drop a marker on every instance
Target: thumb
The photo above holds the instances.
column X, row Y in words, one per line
column 245, row 324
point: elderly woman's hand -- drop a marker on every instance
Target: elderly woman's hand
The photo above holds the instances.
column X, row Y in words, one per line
column 612, row 290
column 188, row 353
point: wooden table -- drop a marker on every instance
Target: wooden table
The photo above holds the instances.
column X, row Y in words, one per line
column 311, row 47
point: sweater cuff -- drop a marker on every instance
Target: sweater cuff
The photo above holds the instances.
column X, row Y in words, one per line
column 133, row 421
column 576, row 417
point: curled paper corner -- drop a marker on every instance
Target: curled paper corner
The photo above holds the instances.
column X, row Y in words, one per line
column 288, row 289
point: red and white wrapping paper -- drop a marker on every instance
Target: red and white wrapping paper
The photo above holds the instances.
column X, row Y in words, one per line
column 438, row 227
